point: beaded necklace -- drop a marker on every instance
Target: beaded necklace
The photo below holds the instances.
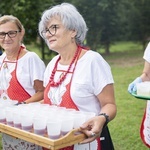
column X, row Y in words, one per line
column 56, row 84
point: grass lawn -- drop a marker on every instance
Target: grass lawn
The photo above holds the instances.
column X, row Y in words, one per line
column 126, row 66
column 126, row 63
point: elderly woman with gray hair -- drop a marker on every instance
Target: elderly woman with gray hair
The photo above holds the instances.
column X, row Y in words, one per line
column 77, row 77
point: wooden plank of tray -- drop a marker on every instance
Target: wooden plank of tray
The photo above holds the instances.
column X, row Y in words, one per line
column 69, row 139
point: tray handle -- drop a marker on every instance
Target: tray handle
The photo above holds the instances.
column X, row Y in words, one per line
column 72, row 137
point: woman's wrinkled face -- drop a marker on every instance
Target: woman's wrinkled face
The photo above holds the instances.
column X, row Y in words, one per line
column 57, row 36
column 10, row 36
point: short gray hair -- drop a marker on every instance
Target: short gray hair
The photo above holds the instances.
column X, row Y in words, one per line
column 70, row 17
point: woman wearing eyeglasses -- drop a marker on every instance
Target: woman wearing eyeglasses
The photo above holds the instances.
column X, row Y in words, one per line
column 77, row 78
column 21, row 73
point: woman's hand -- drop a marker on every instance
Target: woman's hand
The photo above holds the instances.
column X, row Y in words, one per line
column 132, row 86
column 92, row 128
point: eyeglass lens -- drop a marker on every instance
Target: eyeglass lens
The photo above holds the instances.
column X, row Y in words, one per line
column 52, row 30
column 11, row 34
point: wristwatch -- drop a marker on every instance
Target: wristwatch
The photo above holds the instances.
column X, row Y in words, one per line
column 20, row 103
column 106, row 117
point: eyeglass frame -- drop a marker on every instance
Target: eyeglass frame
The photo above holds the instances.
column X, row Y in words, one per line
column 54, row 27
column 8, row 33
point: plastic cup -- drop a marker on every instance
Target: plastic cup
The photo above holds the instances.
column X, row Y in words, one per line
column 27, row 121
column 9, row 116
column 17, row 118
column 67, row 125
column 34, row 107
column 2, row 115
column 79, row 119
column 39, row 125
column 54, row 128
column 45, row 107
column 88, row 115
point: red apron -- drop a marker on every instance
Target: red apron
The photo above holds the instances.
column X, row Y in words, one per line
column 145, row 126
column 15, row 90
column 66, row 102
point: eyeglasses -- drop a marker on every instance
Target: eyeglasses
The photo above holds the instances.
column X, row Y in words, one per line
column 52, row 30
column 11, row 34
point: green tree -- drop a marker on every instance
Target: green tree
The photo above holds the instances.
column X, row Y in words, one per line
column 102, row 20
column 124, row 11
column 107, row 20
column 28, row 12
column 140, row 21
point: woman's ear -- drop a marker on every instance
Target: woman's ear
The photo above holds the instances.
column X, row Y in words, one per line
column 22, row 34
column 73, row 33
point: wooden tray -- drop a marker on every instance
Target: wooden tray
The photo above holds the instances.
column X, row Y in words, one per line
column 69, row 139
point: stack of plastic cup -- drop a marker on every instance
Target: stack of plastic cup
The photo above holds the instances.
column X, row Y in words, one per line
column 42, row 119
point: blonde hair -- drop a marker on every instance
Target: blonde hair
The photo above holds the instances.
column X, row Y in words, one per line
column 10, row 18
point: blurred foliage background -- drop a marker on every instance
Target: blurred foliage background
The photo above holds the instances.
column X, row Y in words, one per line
column 108, row 20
